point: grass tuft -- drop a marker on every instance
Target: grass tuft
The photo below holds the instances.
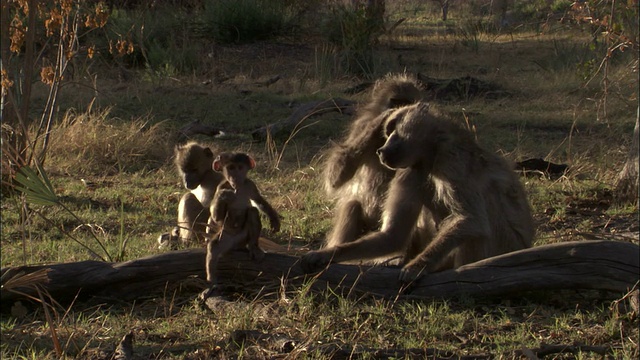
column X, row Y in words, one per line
column 95, row 143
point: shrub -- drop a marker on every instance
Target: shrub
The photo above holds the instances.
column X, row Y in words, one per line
column 160, row 37
column 244, row 21
column 353, row 32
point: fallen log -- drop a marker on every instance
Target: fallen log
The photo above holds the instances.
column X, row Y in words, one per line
column 304, row 112
column 604, row 265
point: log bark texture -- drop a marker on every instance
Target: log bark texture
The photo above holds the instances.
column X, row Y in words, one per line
column 605, row 265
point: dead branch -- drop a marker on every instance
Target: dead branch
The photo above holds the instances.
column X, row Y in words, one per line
column 303, row 112
column 197, row 128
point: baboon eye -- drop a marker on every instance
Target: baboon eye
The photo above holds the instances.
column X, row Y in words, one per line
column 390, row 127
column 231, row 167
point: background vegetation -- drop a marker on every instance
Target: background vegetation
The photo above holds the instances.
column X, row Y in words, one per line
column 95, row 92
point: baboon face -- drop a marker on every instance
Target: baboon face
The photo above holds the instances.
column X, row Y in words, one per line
column 234, row 167
column 193, row 162
column 406, row 131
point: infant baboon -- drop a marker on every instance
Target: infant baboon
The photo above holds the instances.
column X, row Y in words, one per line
column 233, row 211
column 465, row 203
column 353, row 173
column 194, row 163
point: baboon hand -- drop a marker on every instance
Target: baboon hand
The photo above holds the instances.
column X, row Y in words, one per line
column 315, row 260
column 342, row 168
column 412, row 272
column 275, row 224
column 211, row 291
column 226, row 195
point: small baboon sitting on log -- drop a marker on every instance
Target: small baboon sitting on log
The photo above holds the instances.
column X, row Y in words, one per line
column 233, row 212
column 194, row 163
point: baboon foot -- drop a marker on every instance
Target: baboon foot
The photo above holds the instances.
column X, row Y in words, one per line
column 164, row 240
column 411, row 273
column 214, row 290
column 315, row 260
column 256, row 253
column 169, row 240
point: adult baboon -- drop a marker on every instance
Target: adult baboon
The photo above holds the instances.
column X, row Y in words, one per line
column 353, row 173
column 465, row 203
column 195, row 165
column 233, row 212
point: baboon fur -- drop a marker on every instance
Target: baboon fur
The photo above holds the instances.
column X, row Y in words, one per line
column 194, row 164
column 353, row 174
column 465, row 203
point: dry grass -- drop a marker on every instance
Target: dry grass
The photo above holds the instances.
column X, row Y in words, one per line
column 94, row 142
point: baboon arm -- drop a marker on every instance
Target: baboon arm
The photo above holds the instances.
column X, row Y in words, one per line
column 468, row 229
column 263, row 205
column 218, row 209
column 366, row 136
column 348, row 157
column 401, row 211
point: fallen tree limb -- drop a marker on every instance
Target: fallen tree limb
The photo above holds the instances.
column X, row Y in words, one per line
column 197, row 128
column 604, row 265
column 304, row 112
column 462, row 88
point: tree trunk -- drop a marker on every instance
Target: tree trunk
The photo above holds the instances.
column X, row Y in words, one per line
column 605, row 265
column 627, row 185
column 445, row 9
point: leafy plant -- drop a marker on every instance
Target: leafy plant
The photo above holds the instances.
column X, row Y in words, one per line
column 22, row 22
column 38, row 190
column 159, row 39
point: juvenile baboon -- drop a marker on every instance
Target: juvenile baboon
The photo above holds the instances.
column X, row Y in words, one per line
column 353, row 173
column 194, row 163
column 232, row 211
column 465, row 203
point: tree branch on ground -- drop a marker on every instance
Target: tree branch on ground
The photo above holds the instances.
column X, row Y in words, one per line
column 602, row 265
column 304, row 112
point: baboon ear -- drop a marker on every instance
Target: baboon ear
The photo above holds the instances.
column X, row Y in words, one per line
column 252, row 163
column 217, row 164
